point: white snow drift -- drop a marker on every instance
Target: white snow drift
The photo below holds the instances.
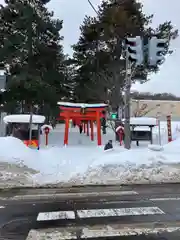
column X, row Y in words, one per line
column 90, row 164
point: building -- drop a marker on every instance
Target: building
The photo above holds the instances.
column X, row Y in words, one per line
column 154, row 108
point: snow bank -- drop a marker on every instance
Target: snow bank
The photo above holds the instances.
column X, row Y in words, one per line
column 13, row 148
column 61, row 164
column 131, row 166
column 173, row 147
column 53, row 164
column 154, row 147
column 156, row 164
column 90, row 164
column 94, row 232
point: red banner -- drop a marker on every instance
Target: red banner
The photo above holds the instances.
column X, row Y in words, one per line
column 169, row 128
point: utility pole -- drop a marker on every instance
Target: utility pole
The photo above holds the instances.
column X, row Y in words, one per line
column 30, row 33
column 159, row 128
column 134, row 53
column 127, row 128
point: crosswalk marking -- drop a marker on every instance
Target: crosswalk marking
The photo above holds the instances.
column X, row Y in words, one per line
column 134, row 211
column 165, row 199
column 44, row 216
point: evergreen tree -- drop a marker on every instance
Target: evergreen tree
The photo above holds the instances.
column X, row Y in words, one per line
column 31, row 47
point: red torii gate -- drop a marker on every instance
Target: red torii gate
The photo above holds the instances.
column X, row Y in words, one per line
column 82, row 112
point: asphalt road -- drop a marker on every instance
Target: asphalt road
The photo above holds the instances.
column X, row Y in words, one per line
column 138, row 206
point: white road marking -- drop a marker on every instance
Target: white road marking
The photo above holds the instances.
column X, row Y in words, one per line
column 119, row 212
column 165, row 199
column 45, row 216
column 70, row 195
column 2, row 206
column 136, row 211
column 90, row 232
column 123, row 193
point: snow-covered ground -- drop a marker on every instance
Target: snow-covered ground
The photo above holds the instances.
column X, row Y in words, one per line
column 82, row 162
column 93, row 232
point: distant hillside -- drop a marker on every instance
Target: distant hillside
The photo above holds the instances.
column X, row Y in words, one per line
column 157, row 96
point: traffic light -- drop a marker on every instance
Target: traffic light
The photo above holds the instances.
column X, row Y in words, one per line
column 156, row 48
column 135, row 50
column 114, row 115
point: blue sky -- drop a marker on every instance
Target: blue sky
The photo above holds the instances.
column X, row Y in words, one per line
column 72, row 13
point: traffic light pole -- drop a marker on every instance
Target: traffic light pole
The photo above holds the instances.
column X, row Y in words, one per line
column 127, row 129
column 30, row 33
column 135, row 51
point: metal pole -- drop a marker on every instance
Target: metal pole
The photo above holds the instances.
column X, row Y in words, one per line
column 159, row 127
column 127, row 129
column 30, row 33
column 39, row 136
column 30, row 125
column 159, row 131
column 138, row 109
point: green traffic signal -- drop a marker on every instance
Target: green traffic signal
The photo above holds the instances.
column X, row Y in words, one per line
column 114, row 115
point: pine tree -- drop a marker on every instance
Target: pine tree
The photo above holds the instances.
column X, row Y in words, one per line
column 31, row 47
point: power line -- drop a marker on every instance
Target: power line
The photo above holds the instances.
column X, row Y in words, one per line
column 91, row 4
column 89, row 1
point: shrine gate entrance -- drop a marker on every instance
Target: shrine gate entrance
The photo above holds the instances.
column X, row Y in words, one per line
column 88, row 114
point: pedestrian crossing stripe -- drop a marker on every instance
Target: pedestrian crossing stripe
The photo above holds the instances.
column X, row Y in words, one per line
column 134, row 211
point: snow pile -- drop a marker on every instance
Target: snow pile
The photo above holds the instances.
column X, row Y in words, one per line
column 164, row 132
column 113, row 174
column 15, row 157
column 51, row 165
column 133, row 166
column 97, row 232
column 173, row 148
column 15, row 175
column 11, row 147
column 154, row 147
column 82, row 164
column 61, row 164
